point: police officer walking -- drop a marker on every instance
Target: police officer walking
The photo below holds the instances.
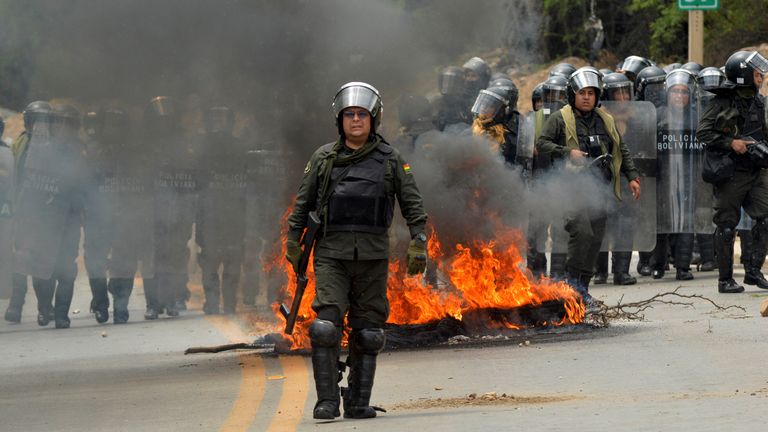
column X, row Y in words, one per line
column 732, row 123
column 352, row 184
column 582, row 132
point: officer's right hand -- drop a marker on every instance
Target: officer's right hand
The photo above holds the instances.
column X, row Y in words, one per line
column 293, row 254
column 578, row 157
column 739, row 145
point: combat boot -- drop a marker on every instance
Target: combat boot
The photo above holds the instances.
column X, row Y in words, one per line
column 644, row 264
column 683, row 253
column 64, row 291
column 620, row 264
column 601, row 273
column 121, row 289
column 724, row 238
column 16, row 302
column 364, row 348
column 100, row 302
column 754, row 275
column 325, row 337
column 707, row 251
column 44, row 289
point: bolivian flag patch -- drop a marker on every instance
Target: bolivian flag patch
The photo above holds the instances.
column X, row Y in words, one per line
column 407, row 168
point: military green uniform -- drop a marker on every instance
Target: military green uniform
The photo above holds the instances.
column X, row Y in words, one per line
column 352, row 253
column 561, row 133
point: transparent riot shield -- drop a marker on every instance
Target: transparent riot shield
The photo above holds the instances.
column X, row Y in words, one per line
column 48, row 207
column 632, row 224
column 267, row 203
column 100, row 200
column 131, row 187
column 6, row 213
column 684, row 201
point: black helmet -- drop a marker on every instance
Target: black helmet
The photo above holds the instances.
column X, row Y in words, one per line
column 481, row 69
column 67, row 115
column 414, row 109
column 649, row 85
column 160, row 116
column 503, row 82
column 108, row 123
column 491, row 103
column 616, row 82
column 562, row 69
column 692, row 67
column 509, row 92
column 681, row 77
column 739, row 67
column 584, row 77
column 672, row 66
column 632, row 65
column 536, row 95
column 219, row 119
column 36, row 111
column 710, row 78
column 451, row 81
column 554, row 91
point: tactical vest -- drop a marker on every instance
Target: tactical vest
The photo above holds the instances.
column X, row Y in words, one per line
column 359, row 201
column 754, row 120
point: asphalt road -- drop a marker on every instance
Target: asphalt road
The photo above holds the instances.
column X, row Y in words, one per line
column 681, row 368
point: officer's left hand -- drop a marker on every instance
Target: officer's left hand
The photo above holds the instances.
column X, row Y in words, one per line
column 634, row 186
column 417, row 257
column 293, row 254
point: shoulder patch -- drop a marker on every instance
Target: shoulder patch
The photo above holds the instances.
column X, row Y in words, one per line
column 407, row 168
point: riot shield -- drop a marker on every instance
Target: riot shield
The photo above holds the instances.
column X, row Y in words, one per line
column 6, row 213
column 632, row 224
column 48, row 207
column 220, row 224
column 130, row 185
column 684, row 201
column 100, row 199
column 267, row 192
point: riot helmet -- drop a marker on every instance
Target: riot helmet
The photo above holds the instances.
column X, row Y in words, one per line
column 633, row 64
column 478, row 69
column 562, row 69
column 36, row 111
column 617, row 87
column 219, row 120
column 161, row 116
column 554, row 92
column 605, row 71
column 740, row 66
column 490, row 104
column 451, row 81
column 680, row 86
column 358, row 94
column 649, row 86
column 710, row 78
column 692, row 67
column 537, row 97
column 584, row 77
column 67, row 115
column 502, row 82
column 510, row 93
column 92, row 124
column 672, row 66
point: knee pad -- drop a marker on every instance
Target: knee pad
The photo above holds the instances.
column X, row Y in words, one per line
column 726, row 233
column 323, row 333
column 370, row 340
column 330, row 313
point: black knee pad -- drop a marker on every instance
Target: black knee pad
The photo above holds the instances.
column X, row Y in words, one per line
column 725, row 233
column 323, row 333
column 370, row 340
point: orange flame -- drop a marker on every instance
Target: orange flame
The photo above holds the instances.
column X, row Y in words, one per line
column 485, row 274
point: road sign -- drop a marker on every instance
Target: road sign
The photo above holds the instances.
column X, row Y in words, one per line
column 692, row 5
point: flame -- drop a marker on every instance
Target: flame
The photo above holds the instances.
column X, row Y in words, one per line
column 481, row 275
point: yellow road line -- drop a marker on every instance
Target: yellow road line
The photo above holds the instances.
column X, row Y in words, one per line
column 294, row 396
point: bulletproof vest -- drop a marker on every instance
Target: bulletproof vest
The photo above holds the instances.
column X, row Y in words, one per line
column 753, row 118
column 359, row 201
column 593, row 137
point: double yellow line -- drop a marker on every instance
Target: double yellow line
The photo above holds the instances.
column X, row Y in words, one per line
column 245, row 408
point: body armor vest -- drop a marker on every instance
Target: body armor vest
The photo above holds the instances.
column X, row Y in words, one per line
column 595, row 139
column 753, row 118
column 359, row 201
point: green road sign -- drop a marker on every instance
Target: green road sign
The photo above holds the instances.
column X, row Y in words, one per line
column 689, row 5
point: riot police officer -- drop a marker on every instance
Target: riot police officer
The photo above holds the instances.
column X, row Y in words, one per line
column 581, row 131
column 450, row 104
column 352, row 183
column 632, row 65
column 492, row 110
column 731, row 124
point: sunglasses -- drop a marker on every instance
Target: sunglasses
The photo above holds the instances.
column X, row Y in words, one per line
column 362, row 115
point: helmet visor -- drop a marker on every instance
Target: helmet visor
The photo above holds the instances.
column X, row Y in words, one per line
column 357, row 95
column 711, row 80
column 451, row 84
column 757, row 61
column 487, row 104
column 584, row 79
column 619, row 91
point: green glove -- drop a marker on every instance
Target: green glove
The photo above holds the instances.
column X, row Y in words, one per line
column 293, row 254
column 417, row 257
